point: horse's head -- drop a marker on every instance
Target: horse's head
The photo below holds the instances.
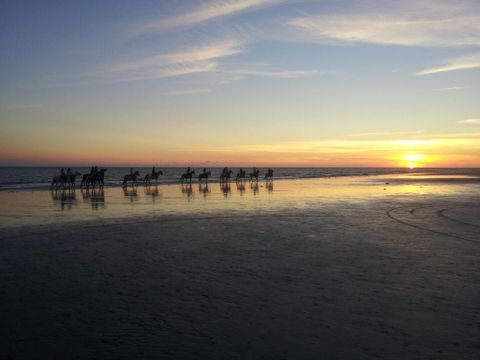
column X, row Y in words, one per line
column 136, row 173
column 193, row 172
column 160, row 172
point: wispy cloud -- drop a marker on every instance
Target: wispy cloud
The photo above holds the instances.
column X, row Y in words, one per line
column 203, row 13
column 406, row 23
column 204, row 58
column 465, row 62
column 469, row 121
column 196, row 59
column 453, row 88
column 280, row 74
column 189, row 91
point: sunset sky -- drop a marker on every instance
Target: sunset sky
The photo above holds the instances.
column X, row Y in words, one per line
column 251, row 82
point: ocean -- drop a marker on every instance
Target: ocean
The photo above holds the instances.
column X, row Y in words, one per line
column 16, row 178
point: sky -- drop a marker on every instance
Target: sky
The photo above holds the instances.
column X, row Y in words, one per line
column 240, row 83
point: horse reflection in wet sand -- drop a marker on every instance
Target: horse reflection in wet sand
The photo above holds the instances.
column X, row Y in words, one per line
column 152, row 191
column 96, row 197
column 225, row 187
column 204, row 189
column 187, row 190
column 130, row 193
column 254, row 187
column 66, row 197
column 241, row 187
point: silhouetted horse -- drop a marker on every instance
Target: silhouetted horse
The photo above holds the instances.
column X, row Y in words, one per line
column 152, row 176
column 225, row 175
column 92, row 179
column 67, row 180
column 254, row 175
column 132, row 178
column 187, row 176
column 269, row 175
column 241, row 176
column 204, row 175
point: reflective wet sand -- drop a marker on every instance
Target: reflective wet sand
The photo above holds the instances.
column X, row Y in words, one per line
column 34, row 207
column 346, row 268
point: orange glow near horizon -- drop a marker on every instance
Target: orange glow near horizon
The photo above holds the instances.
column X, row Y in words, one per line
column 322, row 153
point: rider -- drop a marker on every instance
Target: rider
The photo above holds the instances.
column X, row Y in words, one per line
column 131, row 172
column 153, row 170
column 69, row 173
column 188, row 170
column 62, row 173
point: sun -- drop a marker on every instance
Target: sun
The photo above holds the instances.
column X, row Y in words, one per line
column 413, row 161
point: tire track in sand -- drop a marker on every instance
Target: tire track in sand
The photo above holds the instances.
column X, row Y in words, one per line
column 391, row 214
column 442, row 214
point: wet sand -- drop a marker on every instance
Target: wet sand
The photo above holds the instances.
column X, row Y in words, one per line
column 337, row 269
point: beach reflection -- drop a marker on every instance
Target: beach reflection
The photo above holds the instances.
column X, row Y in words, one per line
column 254, row 187
column 131, row 193
column 241, row 188
column 187, row 191
column 35, row 206
column 152, row 192
column 96, row 197
column 204, row 189
column 226, row 188
column 65, row 197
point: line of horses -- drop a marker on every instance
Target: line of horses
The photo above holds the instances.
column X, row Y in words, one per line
column 96, row 177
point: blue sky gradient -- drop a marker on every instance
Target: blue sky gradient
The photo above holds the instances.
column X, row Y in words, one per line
column 307, row 83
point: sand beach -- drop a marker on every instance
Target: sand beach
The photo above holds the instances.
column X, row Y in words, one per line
column 349, row 268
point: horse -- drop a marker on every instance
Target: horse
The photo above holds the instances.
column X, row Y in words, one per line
column 187, row 176
column 269, row 175
column 225, row 175
column 70, row 179
column 153, row 176
column 254, row 175
column 132, row 178
column 58, row 180
column 94, row 178
column 65, row 180
column 240, row 176
column 204, row 175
